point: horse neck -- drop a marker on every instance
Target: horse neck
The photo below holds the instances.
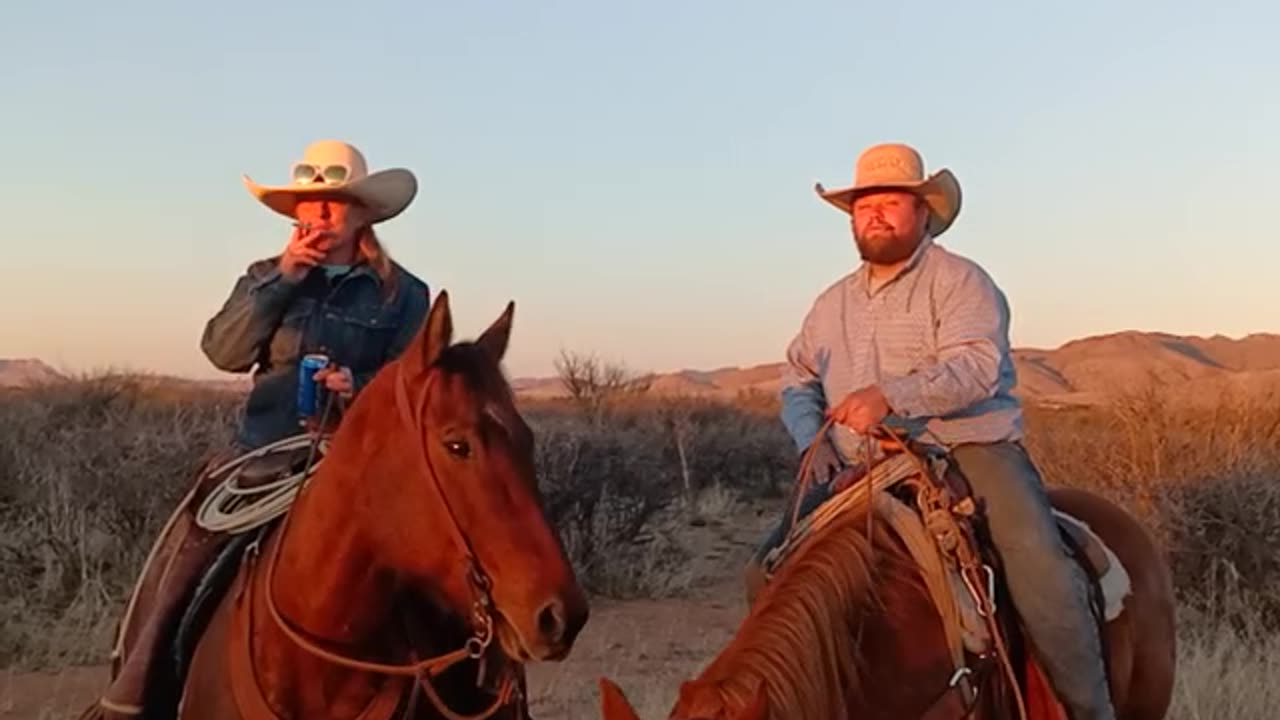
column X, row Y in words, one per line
column 800, row 638
column 327, row 581
column 318, row 577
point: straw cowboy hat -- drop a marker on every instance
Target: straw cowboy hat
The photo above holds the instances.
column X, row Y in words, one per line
column 894, row 166
column 335, row 168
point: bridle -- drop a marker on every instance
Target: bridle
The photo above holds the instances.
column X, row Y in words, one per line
column 478, row 581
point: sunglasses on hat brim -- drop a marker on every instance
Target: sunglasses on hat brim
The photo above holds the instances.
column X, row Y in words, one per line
column 308, row 174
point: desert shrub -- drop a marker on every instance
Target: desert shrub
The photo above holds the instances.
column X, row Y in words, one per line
column 88, row 473
column 1225, row 671
column 1223, row 535
column 607, row 476
column 90, row 469
column 1204, row 478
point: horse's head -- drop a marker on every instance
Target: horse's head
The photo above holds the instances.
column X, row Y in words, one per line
column 698, row 701
column 462, row 516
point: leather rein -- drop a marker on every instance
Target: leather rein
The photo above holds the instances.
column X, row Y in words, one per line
column 480, row 585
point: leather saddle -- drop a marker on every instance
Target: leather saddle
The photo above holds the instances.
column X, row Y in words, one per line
column 944, row 483
column 1085, row 546
column 269, row 468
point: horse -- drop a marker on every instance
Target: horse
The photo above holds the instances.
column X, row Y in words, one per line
column 415, row 572
column 847, row 629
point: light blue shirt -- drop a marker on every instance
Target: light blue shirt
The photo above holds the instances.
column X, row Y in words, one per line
column 934, row 338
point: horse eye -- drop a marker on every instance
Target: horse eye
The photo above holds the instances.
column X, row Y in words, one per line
column 458, row 448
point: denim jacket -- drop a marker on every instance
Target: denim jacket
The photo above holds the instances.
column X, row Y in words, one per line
column 270, row 322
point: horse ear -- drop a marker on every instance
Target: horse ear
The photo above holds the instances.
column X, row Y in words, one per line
column 758, row 708
column 432, row 338
column 494, row 339
column 613, row 703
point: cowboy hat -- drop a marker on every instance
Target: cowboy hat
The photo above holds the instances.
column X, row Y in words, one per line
column 336, row 168
column 894, row 166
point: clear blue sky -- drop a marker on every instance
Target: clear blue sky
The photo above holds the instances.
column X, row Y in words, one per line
column 637, row 176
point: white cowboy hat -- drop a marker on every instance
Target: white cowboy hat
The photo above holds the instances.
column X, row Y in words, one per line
column 333, row 167
column 894, row 166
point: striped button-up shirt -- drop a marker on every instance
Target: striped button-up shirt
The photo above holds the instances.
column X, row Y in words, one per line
column 934, row 338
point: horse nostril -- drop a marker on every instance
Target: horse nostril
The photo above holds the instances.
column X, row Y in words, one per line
column 551, row 621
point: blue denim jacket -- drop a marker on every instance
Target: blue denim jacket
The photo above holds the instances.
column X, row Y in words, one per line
column 270, row 322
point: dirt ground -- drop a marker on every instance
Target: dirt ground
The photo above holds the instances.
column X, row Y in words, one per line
column 647, row 647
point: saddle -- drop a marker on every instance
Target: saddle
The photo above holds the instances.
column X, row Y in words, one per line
column 188, row 571
column 269, row 468
column 216, row 577
column 920, row 493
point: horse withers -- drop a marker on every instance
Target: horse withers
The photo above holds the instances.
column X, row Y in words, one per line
column 414, row 574
column 848, row 628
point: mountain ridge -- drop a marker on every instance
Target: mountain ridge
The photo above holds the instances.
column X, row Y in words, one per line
column 1086, row 370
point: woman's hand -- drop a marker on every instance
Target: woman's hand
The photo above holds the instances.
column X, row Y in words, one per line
column 337, row 380
column 306, row 249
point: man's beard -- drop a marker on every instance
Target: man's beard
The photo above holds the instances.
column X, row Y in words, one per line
column 886, row 247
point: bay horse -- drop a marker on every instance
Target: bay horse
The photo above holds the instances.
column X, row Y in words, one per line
column 416, row 570
column 847, row 630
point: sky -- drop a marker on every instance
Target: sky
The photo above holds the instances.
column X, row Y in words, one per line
column 637, row 177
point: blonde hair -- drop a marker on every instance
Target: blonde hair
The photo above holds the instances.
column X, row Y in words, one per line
column 370, row 249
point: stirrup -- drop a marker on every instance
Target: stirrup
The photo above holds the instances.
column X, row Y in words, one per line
column 134, row 710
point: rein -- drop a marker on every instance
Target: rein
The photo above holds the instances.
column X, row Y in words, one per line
column 480, row 584
column 801, row 485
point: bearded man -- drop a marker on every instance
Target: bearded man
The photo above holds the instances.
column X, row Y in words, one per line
column 918, row 337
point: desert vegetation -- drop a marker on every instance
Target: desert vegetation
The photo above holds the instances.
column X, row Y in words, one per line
column 90, row 468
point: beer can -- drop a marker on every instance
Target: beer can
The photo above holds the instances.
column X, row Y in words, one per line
column 308, row 388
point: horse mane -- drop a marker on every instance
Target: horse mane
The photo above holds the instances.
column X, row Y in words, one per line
column 472, row 362
column 801, row 636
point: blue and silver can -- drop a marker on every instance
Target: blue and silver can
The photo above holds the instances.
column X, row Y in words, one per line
column 308, row 388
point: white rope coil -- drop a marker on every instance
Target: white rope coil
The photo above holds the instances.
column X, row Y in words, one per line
column 231, row 508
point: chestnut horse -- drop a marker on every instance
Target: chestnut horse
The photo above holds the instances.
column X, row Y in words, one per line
column 420, row 539
column 847, row 629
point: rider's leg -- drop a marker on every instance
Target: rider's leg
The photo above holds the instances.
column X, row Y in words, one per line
column 815, row 495
column 1048, row 588
column 180, row 556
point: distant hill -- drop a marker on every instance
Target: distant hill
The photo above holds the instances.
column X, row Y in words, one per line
column 25, row 372
column 29, row 372
column 1094, row 368
column 1084, row 371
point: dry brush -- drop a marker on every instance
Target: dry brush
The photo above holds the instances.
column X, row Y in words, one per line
column 90, row 468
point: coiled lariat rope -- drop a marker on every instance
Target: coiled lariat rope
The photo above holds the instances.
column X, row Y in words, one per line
column 231, row 508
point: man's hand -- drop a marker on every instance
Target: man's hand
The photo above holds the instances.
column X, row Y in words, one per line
column 861, row 409
column 825, row 462
column 337, row 380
